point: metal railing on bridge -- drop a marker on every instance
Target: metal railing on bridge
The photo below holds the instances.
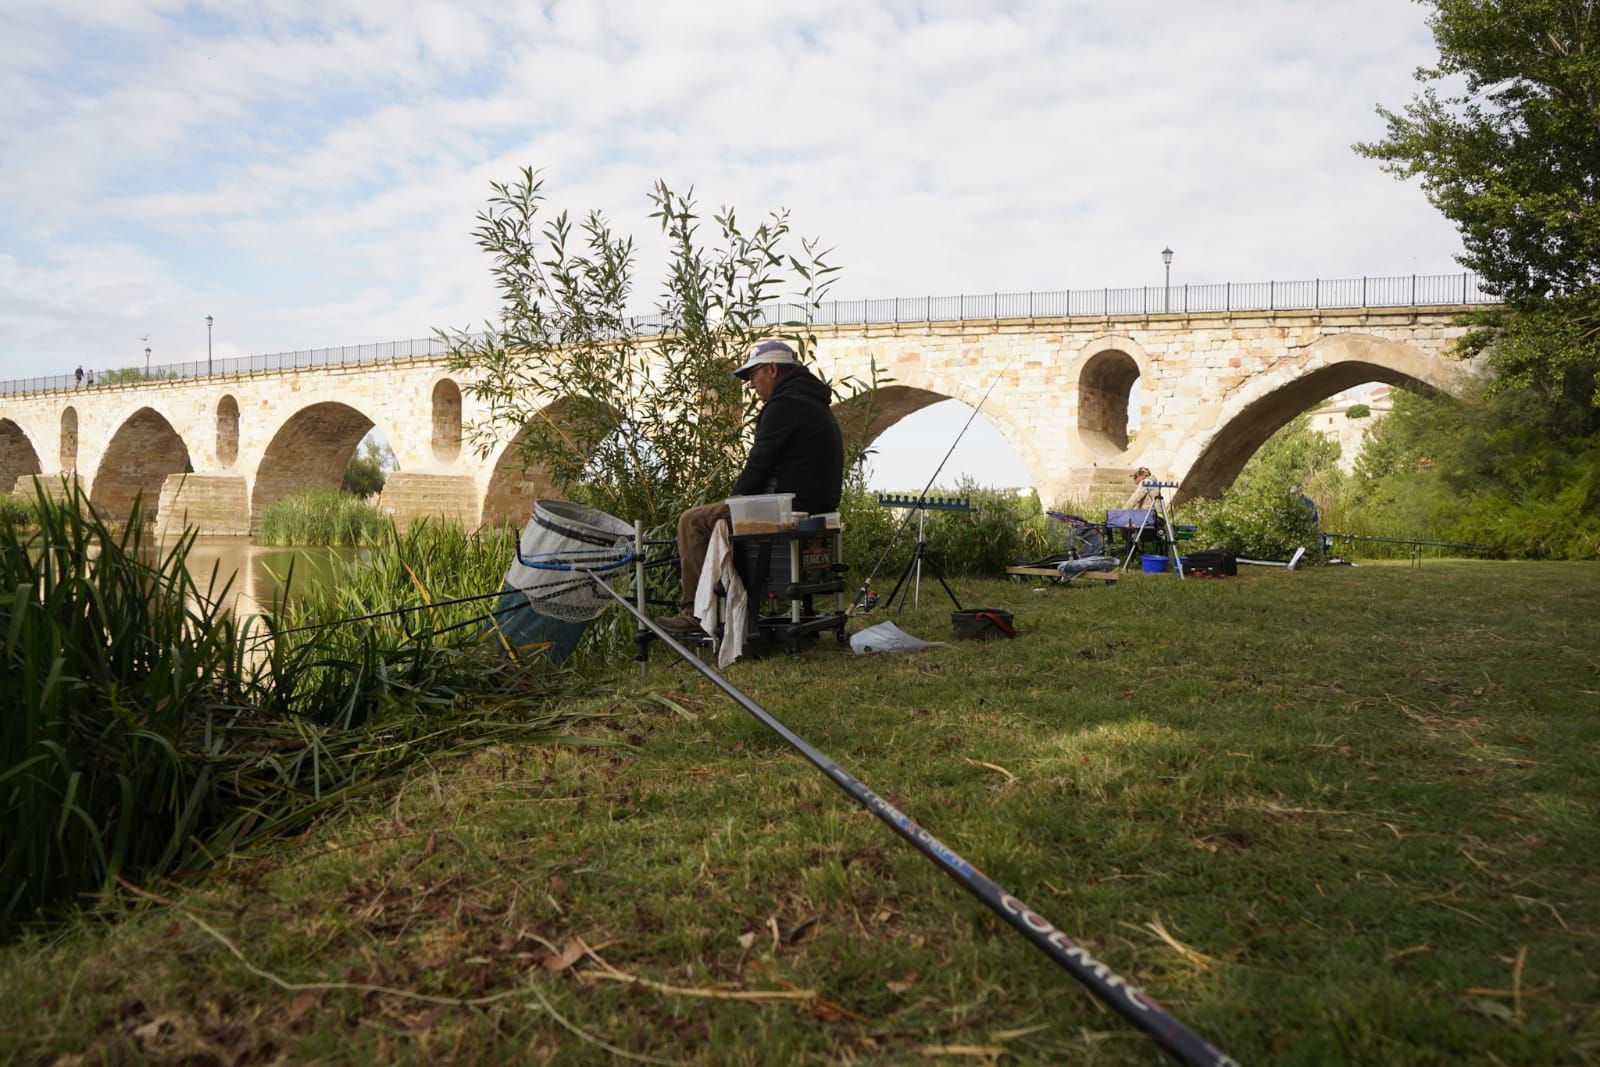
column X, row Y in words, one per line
column 1400, row 291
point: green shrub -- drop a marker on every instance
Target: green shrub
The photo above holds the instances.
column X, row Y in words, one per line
column 869, row 531
column 367, row 470
column 1001, row 529
column 1483, row 469
column 123, row 682
column 984, row 541
column 16, row 511
column 1258, row 523
column 321, row 517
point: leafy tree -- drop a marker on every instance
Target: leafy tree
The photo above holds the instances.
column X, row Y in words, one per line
column 364, row 475
column 1477, row 469
column 1295, row 458
column 1504, row 139
column 1358, row 411
column 641, row 418
column 1265, row 512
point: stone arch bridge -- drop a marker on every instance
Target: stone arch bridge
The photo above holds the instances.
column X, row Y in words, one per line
column 215, row 449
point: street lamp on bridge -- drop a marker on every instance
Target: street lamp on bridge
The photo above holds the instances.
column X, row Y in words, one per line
column 147, row 361
column 1166, row 302
column 208, row 346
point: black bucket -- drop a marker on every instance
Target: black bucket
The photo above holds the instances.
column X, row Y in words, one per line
column 980, row 624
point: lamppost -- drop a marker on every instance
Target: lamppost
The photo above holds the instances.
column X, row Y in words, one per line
column 208, row 346
column 147, row 361
column 1166, row 258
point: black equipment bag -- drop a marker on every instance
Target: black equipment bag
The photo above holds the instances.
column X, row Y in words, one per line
column 1213, row 562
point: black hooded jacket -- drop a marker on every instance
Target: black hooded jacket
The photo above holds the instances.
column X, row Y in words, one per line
column 798, row 448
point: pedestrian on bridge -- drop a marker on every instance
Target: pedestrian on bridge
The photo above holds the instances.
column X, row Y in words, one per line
column 79, row 375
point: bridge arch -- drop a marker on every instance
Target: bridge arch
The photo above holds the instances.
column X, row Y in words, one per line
column 1270, row 400
column 18, row 459
column 514, row 482
column 309, row 451
column 67, row 446
column 1102, row 380
column 227, row 431
column 864, row 418
column 446, row 420
column 135, row 464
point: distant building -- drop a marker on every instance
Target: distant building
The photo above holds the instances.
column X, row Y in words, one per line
column 1332, row 419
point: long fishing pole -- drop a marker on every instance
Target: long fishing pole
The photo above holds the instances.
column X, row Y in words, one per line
column 383, row 614
column 894, row 538
column 1121, row 995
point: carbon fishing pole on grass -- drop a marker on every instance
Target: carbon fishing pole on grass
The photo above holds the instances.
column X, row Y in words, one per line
column 1116, row 992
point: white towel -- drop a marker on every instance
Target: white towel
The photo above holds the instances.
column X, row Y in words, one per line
column 718, row 567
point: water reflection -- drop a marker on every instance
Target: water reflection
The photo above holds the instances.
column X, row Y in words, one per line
column 254, row 575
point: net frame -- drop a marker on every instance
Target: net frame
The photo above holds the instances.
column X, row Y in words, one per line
column 562, row 544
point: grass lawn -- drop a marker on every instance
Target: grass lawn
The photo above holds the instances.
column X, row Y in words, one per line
column 1347, row 815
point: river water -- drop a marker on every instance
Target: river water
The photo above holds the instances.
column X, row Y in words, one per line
column 255, row 574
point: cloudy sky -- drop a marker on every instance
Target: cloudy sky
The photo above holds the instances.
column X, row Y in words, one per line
column 307, row 171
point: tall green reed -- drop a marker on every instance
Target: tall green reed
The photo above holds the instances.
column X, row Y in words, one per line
column 145, row 732
column 15, row 510
column 425, row 656
column 321, row 517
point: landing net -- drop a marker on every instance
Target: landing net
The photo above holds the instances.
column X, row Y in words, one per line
column 560, row 547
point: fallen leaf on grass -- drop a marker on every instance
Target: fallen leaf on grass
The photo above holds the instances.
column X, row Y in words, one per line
column 798, row 931
column 304, row 1002
column 904, row 984
column 674, row 706
column 1492, row 1009
column 570, row 954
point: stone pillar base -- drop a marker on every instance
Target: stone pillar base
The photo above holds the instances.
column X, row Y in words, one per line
column 56, row 486
column 408, row 497
column 1090, row 488
column 213, row 504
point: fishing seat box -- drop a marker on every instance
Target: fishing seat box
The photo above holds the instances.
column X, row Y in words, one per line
column 782, row 573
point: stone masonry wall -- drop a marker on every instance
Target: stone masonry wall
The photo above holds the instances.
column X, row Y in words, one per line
column 1211, row 386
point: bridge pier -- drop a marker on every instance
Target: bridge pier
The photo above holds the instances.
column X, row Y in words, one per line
column 1093, row 487
column 214, row 504
column 408, row 496
column 58, row 486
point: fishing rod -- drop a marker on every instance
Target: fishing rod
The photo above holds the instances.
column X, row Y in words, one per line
column 385, row 614
column 1121, row 995
column 1464, row 545
column 894, row 538
column 442, row 604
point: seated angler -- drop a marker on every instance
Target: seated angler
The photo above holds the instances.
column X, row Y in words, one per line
column 797, row 449
column 1141, row 497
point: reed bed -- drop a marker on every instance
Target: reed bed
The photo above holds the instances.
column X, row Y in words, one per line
column 15, row 510
column 321, row 517
column 144, row 734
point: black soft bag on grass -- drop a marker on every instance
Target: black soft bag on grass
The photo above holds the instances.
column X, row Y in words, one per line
column 1213, row 562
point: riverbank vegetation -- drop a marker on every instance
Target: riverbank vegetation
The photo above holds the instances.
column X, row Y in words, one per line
column 15, row 510
column 148, row 732
column 322, row 517
column 1343, row 815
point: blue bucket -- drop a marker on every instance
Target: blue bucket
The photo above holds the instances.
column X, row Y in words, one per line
column 1151, row 564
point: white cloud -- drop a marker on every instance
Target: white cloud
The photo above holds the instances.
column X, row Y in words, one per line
column 308, row 171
